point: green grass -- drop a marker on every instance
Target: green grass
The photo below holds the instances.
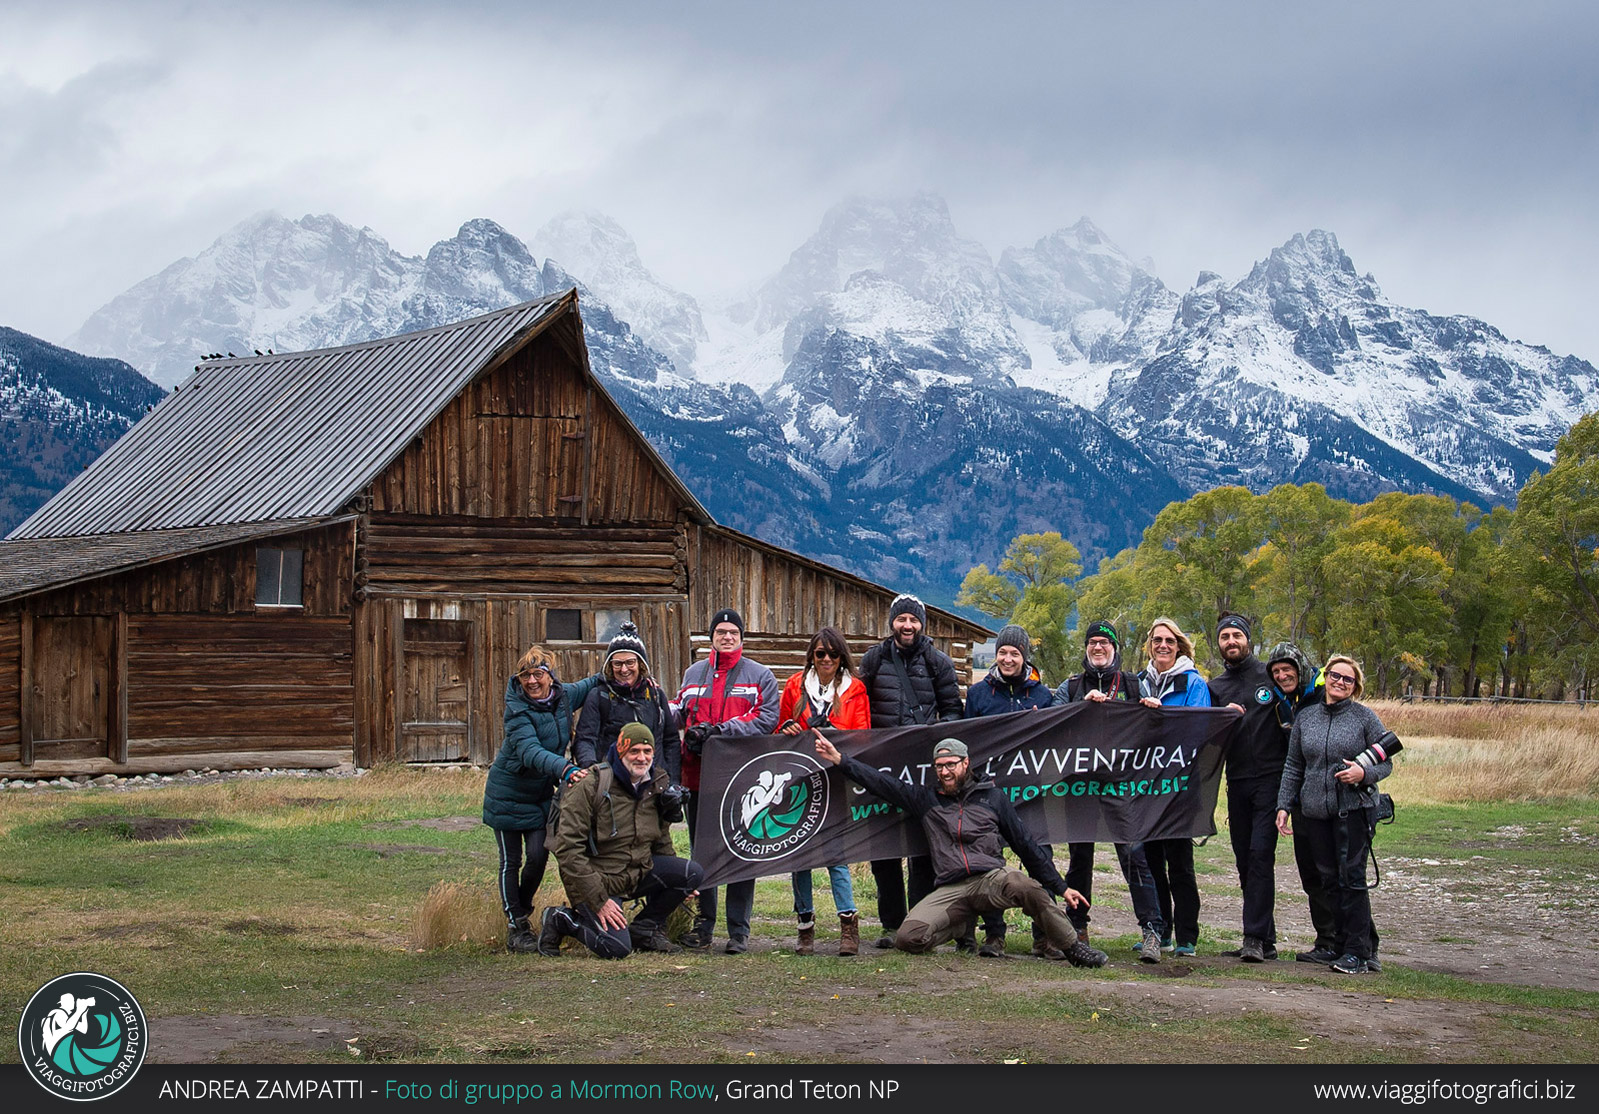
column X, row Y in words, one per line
column 279, row 907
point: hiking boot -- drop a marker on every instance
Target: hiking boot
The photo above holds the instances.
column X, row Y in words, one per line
column 886, row 940
column 1252, row 950
column 698, row 938
column 1149, row 949
column 993, row 946
column 807, row 937
column 967, row 944
column 1318, row 954
column 737, row 945
column 1374, row 965
column 1269, row 950
column 1081, row 955
column 1350, row 964
column 849, row 934
column 556, row 926
column 519, row 936
column 1043, row 949
column 651, row 938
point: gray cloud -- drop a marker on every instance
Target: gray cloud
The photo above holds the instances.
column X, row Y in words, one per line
column 1451, row 146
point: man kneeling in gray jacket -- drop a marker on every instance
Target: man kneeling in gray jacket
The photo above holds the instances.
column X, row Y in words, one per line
column 968, row 822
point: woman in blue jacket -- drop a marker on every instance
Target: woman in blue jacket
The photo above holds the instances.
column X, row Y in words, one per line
column 521, row 783
column 1171, row 681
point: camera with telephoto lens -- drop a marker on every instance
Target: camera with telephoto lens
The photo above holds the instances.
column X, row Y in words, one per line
column 1380, row 751
column 670, row 802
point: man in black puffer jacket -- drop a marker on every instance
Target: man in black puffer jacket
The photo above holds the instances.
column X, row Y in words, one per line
column 627, row 693
column 908, row 681
column 1254, row 771
column 968, row 823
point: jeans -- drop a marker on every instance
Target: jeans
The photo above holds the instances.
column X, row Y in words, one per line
column 518, row 883
column 1140, row 884
column 663, row 889
column 843, row 892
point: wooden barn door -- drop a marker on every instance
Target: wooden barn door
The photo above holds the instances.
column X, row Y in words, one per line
column 436, row 691
column 72, row 685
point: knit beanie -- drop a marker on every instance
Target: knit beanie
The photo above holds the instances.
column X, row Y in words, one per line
column 1100, row 628
column 728, row 615
column 628, row 641
column 1016, row 637
column 634, row 734
column 1232, row 621
column 907, row 604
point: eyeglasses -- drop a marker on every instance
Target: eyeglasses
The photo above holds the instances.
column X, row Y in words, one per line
column 948, row 763
column 1099, row 644
column 1163, row 642
column 1340, row 679
column 830, row 655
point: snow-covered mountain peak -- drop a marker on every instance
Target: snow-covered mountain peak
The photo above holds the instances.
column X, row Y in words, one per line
column 1066, row 273
column 596, row 247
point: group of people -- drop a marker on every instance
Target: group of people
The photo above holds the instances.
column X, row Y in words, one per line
column 1302, row 762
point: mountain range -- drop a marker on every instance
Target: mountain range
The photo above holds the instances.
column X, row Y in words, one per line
column 896, row 401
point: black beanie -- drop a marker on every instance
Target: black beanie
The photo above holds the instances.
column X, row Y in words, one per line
column 1233, row 621
column 728, row 615
column 628, row 641
column 907, row 604
column 1015, row 636
column 1099, row 628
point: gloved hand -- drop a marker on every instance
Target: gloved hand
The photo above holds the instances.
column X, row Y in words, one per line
column 695, row 736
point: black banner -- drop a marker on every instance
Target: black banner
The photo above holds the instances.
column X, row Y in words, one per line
column 1103, row 772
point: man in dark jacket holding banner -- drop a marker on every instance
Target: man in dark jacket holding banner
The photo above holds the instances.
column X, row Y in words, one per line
column 1254, row 770
column 968, row 823
column 908, row 681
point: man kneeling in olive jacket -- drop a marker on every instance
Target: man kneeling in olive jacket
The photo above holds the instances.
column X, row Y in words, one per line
column 613, row 840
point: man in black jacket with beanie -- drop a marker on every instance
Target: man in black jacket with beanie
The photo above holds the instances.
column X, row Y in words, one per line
column 908, row 681
column 1254, row 769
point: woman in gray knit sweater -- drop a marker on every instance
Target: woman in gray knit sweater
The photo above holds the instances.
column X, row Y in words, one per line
column 1336, row 799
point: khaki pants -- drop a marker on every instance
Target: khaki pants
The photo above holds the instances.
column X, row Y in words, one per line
column 943, row 914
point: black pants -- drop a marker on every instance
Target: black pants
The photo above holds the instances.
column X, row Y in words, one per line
column 1252, row 823
column 892, row 891
column 1140, row 878
column 1171, row 861
column 740, row 895
column 519, row 882
column 1321, row 910
column 669, row 881
column 1339, row 847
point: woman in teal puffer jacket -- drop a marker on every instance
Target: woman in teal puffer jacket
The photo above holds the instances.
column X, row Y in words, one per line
column 518, row 796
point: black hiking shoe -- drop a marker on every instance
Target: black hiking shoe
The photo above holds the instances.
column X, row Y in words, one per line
column 1252, row 950
column 1083, row 955
column 886, row 940
column 519, row 936
column 1323, row 956
column 993, row 946
column 1350, row 964
column 651, row 938
column 737, row 945
column 556, row 926
column 698, row 938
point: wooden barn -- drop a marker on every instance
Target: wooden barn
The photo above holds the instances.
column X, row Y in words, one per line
column 312, row 558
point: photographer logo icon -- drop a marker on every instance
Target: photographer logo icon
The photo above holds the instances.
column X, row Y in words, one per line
column 82, row 1036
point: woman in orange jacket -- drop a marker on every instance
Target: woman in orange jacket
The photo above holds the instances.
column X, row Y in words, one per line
column 826, row 693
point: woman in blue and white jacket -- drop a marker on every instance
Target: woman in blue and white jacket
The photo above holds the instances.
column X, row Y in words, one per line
column 1171, row 681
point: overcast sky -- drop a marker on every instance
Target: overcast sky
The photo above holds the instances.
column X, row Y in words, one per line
column 1452, row 147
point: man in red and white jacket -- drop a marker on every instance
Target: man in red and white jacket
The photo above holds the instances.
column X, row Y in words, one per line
column 726, row 694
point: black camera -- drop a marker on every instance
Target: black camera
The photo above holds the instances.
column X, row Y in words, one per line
column 670, row 803
column 1380, row 751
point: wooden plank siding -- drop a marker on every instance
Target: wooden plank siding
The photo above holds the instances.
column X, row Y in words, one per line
column 10, row 685
column 515, row 445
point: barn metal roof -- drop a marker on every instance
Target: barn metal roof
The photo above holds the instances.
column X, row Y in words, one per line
column 287, row 436
column 35, row 564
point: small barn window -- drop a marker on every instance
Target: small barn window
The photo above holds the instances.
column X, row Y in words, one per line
column 608, row 624
column 563, row 624
column 278, row 576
